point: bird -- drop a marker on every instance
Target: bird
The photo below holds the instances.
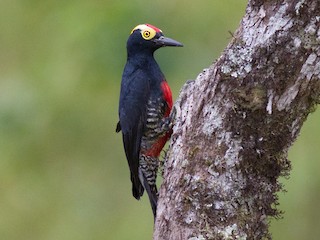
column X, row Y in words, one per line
column 145, row 109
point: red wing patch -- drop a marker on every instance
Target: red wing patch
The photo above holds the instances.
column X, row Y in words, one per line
column 167, row 95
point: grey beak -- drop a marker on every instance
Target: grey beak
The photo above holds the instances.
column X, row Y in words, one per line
column 165, row 41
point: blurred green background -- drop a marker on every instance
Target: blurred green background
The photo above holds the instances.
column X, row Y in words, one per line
column 63, row 173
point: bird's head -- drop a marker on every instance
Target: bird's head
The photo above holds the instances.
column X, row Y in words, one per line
column 146, row 37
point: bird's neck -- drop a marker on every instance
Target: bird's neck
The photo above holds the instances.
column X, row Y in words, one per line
column 141, row 58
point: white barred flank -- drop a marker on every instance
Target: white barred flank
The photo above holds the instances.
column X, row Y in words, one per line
column 157, row 125
column 149, row 168
column 154, row 128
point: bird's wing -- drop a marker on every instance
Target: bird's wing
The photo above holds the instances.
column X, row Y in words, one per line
column 135, row 91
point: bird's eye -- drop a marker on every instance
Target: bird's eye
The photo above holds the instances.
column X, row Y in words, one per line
column 146, row 34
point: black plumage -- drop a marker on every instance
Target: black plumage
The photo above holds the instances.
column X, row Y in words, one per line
column 142, row 84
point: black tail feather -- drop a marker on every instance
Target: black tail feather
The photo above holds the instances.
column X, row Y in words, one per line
column 137, row 187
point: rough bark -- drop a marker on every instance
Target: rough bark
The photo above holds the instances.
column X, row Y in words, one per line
column 235, row 123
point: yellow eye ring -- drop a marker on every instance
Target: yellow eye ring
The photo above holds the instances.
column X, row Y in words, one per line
column 148, row 34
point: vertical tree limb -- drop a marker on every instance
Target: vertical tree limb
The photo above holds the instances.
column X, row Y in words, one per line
column 235, row 123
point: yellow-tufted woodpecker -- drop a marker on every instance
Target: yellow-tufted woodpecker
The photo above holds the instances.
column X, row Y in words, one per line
column 144, row 109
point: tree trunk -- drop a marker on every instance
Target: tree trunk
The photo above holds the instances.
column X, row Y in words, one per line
column 235, row 123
